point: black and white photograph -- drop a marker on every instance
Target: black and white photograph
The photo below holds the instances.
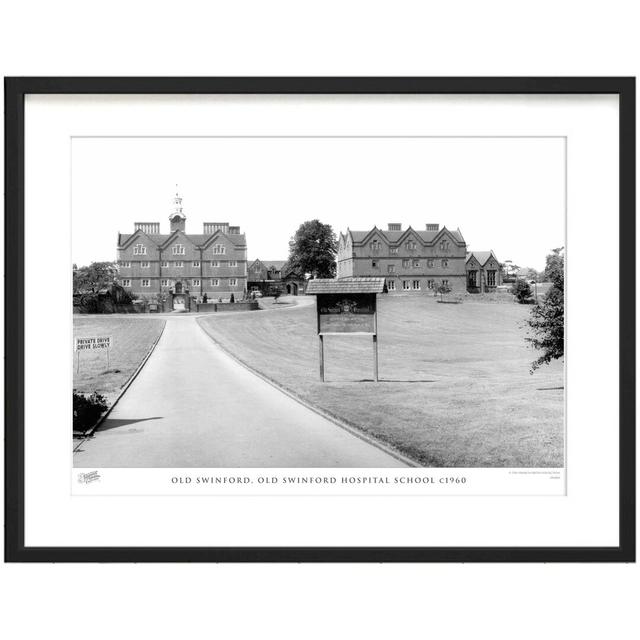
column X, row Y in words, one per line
column 300, row 317
column 318, row 302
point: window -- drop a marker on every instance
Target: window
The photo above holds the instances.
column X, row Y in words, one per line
column 144, row 264
column 430, row 284
column 233, row 282
column 393, row 251
column 178, row 263
column 215, row 282
column 233, row 263
column 391, row 268
column 139, row 250
column 215, row 263
column 146, row 282
column 391, row 285
column 195, row 283
column 416, row 285
column 445, row 264
column 164, row 283
column 491, row 278
column 375, row 246
column 125, row 264
column 126, row 283
column 177, row 249
column 219, row 249
column 445, row 283
column 411, row 245
column 416, row 264
column 471, row 279
column 374, row 264
column 164, row 263
column 405, row 264
column 430, row 263
column 444, row 245
column 196, row 263
column 405, row 285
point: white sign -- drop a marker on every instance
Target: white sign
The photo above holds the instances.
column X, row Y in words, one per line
column 92, row 344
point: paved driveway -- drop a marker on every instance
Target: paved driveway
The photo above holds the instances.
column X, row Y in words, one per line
column 194, row 406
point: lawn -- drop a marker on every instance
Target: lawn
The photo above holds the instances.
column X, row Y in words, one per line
column 131, row 338
column 455, row 388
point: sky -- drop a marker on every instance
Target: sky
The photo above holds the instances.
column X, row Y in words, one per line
column 505, row 194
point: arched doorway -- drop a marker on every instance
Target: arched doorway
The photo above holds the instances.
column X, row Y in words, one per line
column 292, row 289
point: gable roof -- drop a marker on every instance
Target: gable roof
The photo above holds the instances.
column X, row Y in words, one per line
column 276, row 264
column 346, row 285
column 482, row 256
column 199, row 239
column 393, row 237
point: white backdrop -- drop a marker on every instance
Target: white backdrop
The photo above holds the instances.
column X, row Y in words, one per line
column 365, row 38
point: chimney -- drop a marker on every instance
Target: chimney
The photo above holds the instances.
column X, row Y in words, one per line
column 150, row 228
column 394, row 226
column 212, row 227
column 433, row 227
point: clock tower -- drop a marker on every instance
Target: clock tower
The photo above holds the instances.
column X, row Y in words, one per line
column 177, row 218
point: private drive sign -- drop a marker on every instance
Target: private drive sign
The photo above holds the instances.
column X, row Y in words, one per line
column 347, row 307
column 99, row 343
column 93, row 344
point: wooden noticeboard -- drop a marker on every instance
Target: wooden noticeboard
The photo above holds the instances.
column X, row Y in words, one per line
column 346, row 313
column 347, row 307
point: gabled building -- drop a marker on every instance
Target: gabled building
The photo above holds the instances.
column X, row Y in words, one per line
column 412, row 261
column 483, row 271
column 212, row 262
column 267, row 276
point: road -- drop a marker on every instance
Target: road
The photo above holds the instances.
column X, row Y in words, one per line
column 192, row 405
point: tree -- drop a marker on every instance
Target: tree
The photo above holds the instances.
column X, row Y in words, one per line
column 521, row 290
column 313, row 249
column 547, row 319
column 98, row 275
column 443, row 290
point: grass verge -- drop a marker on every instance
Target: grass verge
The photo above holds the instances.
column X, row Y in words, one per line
column 455, row 386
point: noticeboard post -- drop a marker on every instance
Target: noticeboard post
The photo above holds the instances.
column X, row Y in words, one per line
column 99, row 343
column 347, row 307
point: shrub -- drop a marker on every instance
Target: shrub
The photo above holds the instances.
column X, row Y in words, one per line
column 522, row 291
column 87, row 410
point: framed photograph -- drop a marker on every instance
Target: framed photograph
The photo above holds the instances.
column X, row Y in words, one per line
column 320, row 319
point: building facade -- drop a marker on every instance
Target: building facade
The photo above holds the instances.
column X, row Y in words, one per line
column 213, row 262
column 267, row 276
column 412, row 261
column 483, row 272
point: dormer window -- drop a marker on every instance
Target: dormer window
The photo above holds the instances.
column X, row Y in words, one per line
column 444, row 245
column 177, row 249
column 410, row 245
column 375, row 246
column 219, row 249
column 139, row 250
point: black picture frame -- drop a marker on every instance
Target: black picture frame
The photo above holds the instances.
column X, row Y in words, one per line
column 15, row 91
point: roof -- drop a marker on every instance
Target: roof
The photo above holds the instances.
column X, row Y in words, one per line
column 346, row 285
column 482, row 256
column 395, row 236
column 276, row 264
column 197, row 238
